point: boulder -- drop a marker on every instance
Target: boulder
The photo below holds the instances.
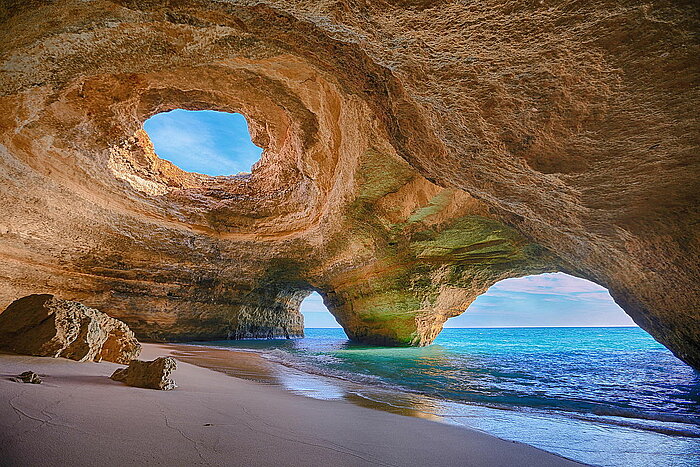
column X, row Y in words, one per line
column 151, row 375
column 28, row 377
column 46, row 326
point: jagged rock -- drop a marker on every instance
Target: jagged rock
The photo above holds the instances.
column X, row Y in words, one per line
column 28, row 377
column 151, row 375
column 47, row 326
column 415, row 154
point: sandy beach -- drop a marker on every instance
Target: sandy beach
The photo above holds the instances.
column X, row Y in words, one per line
column 78, row 416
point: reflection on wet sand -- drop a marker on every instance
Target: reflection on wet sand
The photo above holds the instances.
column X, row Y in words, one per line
column 244, row 365
column 402, row 404
column 253, row 367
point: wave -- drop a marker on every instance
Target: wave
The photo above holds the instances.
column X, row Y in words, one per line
column 290, row 361
column 685, row 428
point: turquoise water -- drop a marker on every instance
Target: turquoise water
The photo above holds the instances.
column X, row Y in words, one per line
column 606, row 396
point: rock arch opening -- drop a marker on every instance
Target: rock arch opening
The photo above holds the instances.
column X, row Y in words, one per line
column 543, row 300
column 207, row 142
column 316, row 314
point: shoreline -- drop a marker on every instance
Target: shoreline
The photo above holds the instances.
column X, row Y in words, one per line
column 595, row 439
column 265, row 373
column 252, row 366
column 79, row 415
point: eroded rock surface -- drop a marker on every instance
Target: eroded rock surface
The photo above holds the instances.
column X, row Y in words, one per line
column 50, row 327
column 150, row 375
column 415, row 154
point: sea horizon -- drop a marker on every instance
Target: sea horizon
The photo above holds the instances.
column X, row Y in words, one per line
column 501, row 327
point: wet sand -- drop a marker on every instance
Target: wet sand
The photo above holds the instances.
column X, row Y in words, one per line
column 253, row 367
column 78, row 416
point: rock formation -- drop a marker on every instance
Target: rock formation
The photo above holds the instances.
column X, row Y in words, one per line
column 28, row 377
column 46, row 326
column 416, row 152
column 150, row 375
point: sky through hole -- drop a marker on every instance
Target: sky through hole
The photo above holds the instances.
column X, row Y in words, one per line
column 204, row 141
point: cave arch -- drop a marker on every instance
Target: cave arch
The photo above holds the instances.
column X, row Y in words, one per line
column 316, row 314
column 402, row 168
column 543, row 300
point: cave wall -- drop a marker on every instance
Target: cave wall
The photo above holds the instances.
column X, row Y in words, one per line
column 415, row 154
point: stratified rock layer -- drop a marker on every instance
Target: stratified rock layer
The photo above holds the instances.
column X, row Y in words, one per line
column 150, row 375
column 415, row 154
column 46, row 326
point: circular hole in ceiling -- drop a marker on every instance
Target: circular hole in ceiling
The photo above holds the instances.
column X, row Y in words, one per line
column 203, row 141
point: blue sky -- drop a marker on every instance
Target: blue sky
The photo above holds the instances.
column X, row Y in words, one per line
column 206, row 141
column 316, row 315
column 218, row 143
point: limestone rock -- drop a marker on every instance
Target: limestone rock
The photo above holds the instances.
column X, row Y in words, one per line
column 28, row 377
column 415, row 154
column 151, row 375
column 47, row 326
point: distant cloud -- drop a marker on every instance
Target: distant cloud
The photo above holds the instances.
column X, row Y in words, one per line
column 543, row 300
column 556, row 283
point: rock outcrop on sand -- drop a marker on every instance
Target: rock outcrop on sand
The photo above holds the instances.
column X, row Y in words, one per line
column 150, row 375
column 47, row 326
column 415, row 154
column 28, row 377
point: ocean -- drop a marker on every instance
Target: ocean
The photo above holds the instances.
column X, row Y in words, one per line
column 603, row 396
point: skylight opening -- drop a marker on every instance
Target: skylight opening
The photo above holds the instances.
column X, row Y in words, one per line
column 204, row 141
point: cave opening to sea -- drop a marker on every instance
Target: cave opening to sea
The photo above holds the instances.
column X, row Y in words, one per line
column 316, row 314
column 543, row 300
column 207, row 142
column 553, row 351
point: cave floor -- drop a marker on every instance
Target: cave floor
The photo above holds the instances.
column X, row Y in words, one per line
column 79, row 416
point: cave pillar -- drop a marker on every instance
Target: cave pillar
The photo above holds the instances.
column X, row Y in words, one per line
column 269, row 314
column 400, row 316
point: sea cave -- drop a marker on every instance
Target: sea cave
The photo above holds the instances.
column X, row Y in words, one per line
column 403, row 158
